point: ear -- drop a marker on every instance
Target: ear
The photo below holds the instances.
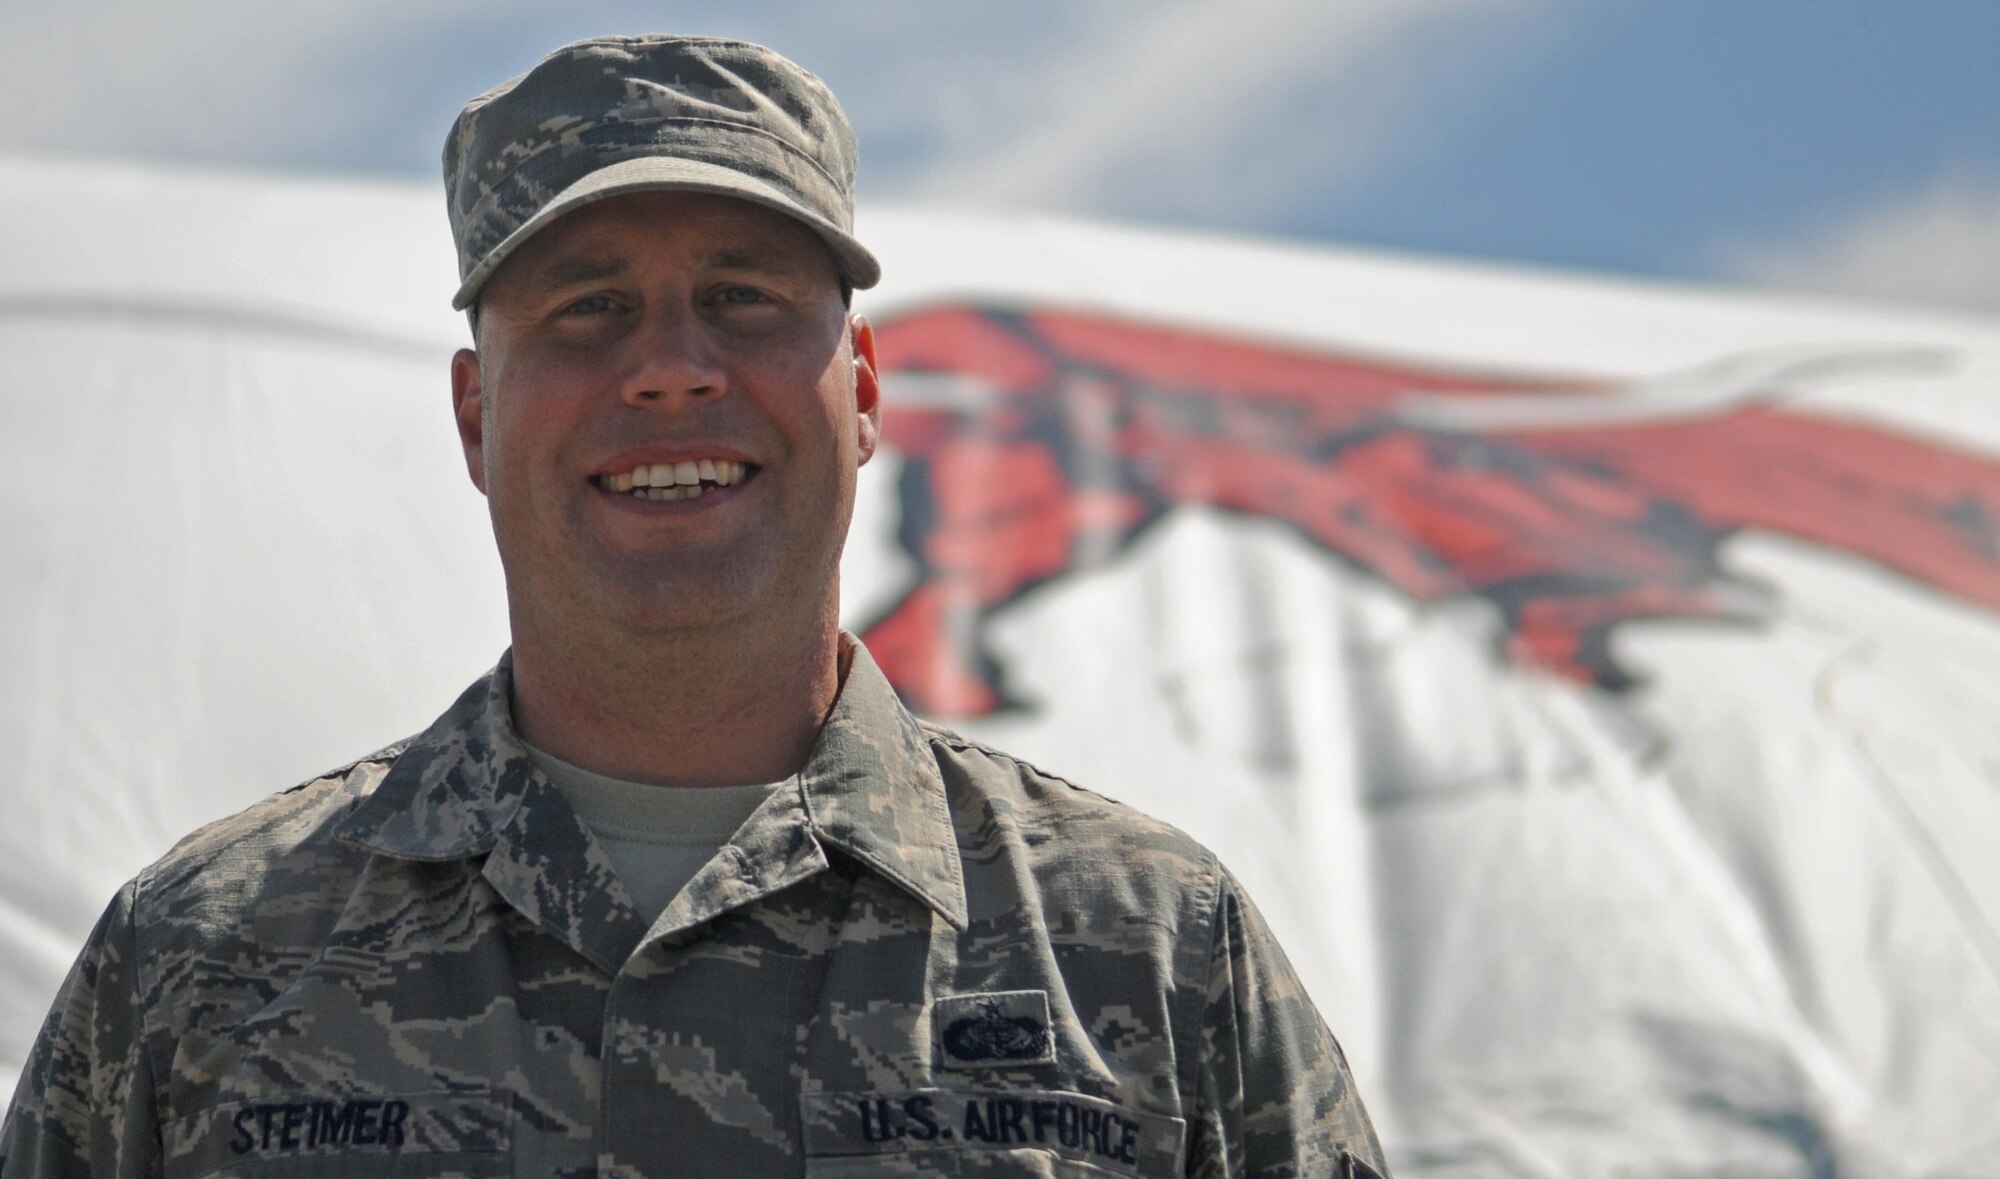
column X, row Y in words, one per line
column 867, row 385
column 468, row 405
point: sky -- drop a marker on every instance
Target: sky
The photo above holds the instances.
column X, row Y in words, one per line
column 1841, row 147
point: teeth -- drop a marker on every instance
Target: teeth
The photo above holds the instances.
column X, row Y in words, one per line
column 681, row 480
column 670, row 492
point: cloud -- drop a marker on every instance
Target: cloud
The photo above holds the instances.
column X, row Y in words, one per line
column 328, row 85
column 195, row 79
column 1939, row 244
column 1231, row 116
column 1217, row 113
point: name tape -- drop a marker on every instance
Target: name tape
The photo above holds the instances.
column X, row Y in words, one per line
column 308, row 1124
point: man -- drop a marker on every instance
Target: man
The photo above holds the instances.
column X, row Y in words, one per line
column 679, row 888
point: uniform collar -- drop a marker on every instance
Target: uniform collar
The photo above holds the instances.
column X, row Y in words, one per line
column 456, row 785
column 873, row 790
column 870, row 787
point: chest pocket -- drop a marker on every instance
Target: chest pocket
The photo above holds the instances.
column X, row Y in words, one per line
column 318, row 1137
column 990, row 1132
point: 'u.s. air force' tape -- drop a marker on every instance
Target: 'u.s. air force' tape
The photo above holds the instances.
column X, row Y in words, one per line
column 1088, row 1129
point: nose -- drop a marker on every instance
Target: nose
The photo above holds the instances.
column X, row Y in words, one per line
column 675, row 361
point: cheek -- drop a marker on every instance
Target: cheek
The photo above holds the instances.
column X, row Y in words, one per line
column 833, row 406
column 536, row 415
column 834, row 425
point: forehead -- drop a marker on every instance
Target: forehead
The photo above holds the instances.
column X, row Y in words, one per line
column 688, row 229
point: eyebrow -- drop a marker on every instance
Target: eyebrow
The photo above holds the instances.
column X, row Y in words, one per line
column 765, row 261
column 588, row 269
column 572, row 271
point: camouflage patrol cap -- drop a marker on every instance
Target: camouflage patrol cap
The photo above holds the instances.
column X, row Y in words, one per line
column 613, row 115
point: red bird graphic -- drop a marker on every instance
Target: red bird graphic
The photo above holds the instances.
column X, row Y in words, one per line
column 1040, row 442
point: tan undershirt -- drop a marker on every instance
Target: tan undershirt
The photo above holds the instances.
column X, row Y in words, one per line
column 658, row 837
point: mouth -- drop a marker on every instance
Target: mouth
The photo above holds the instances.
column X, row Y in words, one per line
column 686, row 479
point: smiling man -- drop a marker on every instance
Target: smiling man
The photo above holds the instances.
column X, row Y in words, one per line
column 679, row 888
column 666, row 411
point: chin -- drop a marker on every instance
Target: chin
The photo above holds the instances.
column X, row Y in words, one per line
column 673, row 597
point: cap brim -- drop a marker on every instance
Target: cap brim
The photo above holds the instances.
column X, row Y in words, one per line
column 650, row 173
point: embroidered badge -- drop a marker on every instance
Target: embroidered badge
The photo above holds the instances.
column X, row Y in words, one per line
column 994, row 1030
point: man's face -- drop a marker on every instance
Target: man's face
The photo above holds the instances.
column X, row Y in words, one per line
column 662, row 337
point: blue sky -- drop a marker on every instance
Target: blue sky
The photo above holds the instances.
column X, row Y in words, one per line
column 1842, row 146
column 1648, row 136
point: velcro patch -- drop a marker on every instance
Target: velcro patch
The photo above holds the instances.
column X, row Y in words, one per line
column 998, row 1029
column 1087, row 1129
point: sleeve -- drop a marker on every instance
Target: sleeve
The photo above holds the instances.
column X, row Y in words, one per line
column 84, row 1106
column 1274, row 1098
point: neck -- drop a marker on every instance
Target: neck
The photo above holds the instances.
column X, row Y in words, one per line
column 701, row 708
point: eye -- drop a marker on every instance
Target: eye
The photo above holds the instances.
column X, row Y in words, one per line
column 589, row 305
column 736, row 295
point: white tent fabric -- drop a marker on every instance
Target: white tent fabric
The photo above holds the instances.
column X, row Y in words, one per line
column 1710, row 890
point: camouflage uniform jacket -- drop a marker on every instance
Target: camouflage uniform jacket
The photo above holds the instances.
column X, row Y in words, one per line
column 921, row 957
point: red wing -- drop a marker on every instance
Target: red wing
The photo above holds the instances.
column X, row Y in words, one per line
column 1084, row 429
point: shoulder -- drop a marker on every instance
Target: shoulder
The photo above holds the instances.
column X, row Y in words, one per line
column 1066, row 830
column 283, row 844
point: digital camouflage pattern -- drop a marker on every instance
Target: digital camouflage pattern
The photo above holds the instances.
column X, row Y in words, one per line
column 921, row 957
column 624, row 114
